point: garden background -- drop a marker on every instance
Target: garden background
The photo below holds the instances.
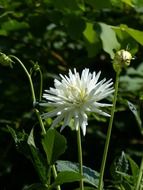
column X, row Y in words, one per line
column 60, row 35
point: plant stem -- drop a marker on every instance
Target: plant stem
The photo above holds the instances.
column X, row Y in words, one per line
column 34, row 101
column 80, row 158
column 40, row 121
column 29, row 78
column 100, row 186
column 41, row 84
column 55, row 175
column 139, row 176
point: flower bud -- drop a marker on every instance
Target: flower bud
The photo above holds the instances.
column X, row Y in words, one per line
column 34, row 68
column 121, row 60
column 5, row 60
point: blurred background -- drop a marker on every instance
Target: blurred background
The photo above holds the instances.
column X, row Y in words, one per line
column 58, row 36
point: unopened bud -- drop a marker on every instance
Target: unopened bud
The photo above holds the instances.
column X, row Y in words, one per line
column 35, row 68
column 121, row 60
column 5, row 60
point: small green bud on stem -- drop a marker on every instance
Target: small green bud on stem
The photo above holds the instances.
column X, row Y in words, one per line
column 5, row 60
column 121, row 60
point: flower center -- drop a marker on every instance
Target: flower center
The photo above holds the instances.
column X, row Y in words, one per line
column 77, row 96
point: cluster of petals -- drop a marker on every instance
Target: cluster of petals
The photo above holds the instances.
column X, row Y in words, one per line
column 74, row 97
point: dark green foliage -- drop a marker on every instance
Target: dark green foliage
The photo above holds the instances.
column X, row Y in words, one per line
column 56, row 35
column 54, row 145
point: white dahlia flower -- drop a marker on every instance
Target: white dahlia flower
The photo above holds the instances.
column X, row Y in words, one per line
column 75, row 96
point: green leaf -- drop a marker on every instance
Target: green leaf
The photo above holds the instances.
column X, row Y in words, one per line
column 128, row 2
column 90, row 176
column 26, row 146
column 131, row 84
column 136, row 71
column 99, row 4
column 136, row 34
column 138, row 5
column 137, row 115
column 30, row 140
column 54, row 145
column 89, row 32
column 20, row 139
column 134, row 168
column 75, row 25
column 66, row 177
column 121, row 167
column 126, row 180
column 35, row 186
column 126, row 40
column 133, row 109
column 92, row 41
column 65, row 5
column 81, row 4
column 13, row 25
column 109, row 39
column 13, row 133
column 37, row 159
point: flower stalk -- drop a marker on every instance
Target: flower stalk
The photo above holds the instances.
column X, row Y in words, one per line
column 121, row 60
column 80, row 157
column 34, row 102
column 41, row 84
column 29, row 77
column 55, row 175
column 100, row 186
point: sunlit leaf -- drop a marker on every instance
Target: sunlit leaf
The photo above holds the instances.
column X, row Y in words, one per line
column 128, row 2
column 138, row 5
column 136, row 34
column 126, row 41
column 13, row 25
column 30, row 140
column 92, row 41
column 66, row 177
column 90, row 33
column 90, row 176
column 109, row 39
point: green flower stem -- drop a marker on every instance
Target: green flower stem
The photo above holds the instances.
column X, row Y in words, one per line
column 100, row 186
column 34, row 101
column 55, row 175
column 40, row 121
column 80, row 158
column 29, row 78
column 139, row 176
column 41, row 84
